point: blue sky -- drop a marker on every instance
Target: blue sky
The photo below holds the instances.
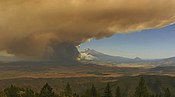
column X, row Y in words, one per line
column 147, row 44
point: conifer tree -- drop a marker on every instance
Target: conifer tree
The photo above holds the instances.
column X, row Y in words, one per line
column 93, row 92
column 46, row 91
column 167, row 92
column 141, row 89
column 152, row 95
column 75, row 95
column 117, row 93
column 87, row 93
column 107, row 91
column 68, row 91
column 157, row 95
column 12, row 91
column 29, row 93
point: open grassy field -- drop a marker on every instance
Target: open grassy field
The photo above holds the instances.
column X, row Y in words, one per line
column 54, row 70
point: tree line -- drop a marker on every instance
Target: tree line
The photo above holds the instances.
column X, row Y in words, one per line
column 47, row 91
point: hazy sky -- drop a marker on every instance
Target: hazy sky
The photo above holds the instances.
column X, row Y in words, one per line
column 155, row 43
column 50, row 29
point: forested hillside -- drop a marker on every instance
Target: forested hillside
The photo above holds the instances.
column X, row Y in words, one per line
column 138, row 86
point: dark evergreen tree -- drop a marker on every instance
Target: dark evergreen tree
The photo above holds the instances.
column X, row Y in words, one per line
column 157, row 95
column 75, row 95
column 152, row 95
column 29, row 93
column 68, row 91
column 117, row 93
column 2, row 94
column 93, row 92
column 107, row 91
column 62, row 94
column 141, row 89
column 86, row 94
column 12, row 91
column 46, row 91
column 167, row 92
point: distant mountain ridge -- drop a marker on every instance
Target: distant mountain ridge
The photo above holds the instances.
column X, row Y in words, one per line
column 168, row 61
column 94, row 55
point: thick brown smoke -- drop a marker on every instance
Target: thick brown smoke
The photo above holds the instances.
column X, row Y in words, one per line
column 49, row 28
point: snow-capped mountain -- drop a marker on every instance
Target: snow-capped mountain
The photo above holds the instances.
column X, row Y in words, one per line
column 90, row 54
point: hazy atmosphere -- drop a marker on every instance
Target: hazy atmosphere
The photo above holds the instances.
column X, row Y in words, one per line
column 47, row 29
column 87, row 48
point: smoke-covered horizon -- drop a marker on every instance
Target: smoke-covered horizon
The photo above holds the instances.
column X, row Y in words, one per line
column 53, row 28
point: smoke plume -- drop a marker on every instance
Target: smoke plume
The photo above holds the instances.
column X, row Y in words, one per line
column 53, row 28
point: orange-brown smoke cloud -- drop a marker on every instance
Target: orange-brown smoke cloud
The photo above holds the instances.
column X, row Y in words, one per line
column 32, row 28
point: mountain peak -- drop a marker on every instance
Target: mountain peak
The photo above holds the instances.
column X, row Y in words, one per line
column 104, row 58
column 137, row 59
column 91, row 51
